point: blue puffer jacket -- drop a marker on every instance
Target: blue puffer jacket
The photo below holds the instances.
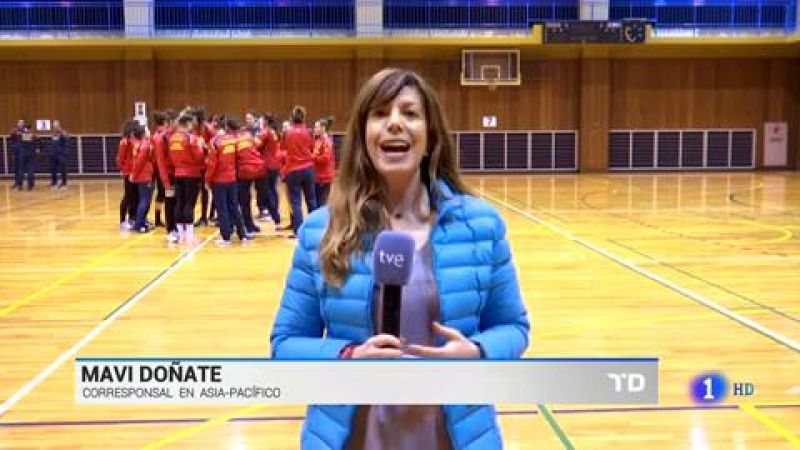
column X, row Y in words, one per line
column 478, row 294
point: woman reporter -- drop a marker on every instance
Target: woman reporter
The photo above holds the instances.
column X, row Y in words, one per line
column 399, row 172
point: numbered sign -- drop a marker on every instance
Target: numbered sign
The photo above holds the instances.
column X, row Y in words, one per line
column 42, row 124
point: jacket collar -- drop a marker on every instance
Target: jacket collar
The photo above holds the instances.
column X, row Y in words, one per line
column 442, row 195
column 445, row 199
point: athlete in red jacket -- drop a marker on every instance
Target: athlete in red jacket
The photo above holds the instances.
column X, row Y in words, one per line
column 165, row 179
column 299, row 147
column 203, row 129
column 270, row 149
column 186, row 153
column 142, row 171
column 129, row 201
column 221, row 176
column 324, row 160
column 158, row 141
column 251, row 166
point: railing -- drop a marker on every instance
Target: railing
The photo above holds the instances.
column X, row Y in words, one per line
column 87, row 154
column 513, row 150
column 475, row 14
column 709, row 14
column 338, row 16
column 260, row 16
column 681, row 149
column 54, row 16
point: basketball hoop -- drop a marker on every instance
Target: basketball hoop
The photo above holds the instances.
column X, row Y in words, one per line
column 490, row 68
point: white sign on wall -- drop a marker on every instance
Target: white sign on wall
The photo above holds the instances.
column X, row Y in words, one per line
column 140, row 113
column 776, row 140
column 42, row 124
column 489, row 121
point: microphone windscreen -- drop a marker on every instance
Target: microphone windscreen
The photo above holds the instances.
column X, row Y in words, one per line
column 393, row 256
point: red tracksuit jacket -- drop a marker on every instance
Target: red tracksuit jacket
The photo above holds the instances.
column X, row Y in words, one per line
column 143, row 166
column 186, row 153
column 324, row 160
column 249, row 160
column 163, row 161
column 124, row 156
column 221, row 165
column 299, row 146
column 269, row 142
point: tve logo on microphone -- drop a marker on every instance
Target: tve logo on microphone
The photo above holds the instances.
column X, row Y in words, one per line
column 393, row 257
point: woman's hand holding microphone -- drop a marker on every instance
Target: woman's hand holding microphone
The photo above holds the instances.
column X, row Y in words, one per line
column 386, row 346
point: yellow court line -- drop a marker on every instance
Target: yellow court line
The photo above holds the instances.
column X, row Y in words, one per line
column 190, row 431
column 771, row 423
column 68, row 277
column 766, row 403
column 787, row 233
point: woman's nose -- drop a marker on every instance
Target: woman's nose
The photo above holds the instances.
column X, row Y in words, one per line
column 394, row 123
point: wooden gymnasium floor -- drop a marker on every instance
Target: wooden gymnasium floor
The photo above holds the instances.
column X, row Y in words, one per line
column 611, row 265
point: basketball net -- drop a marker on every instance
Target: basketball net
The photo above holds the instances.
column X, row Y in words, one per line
column 492, row 84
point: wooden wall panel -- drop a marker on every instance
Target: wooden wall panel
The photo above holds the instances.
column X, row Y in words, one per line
column 595, row 92
column 721, row 93
column 139, row 84
column 781, row 102
column 96, row 96
column 87, row 96
column 544, row 100
column 687, row 93
column 323, row 87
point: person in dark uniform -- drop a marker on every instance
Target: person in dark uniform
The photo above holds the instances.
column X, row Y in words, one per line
column 14, row 143
column 58, row 156
column 25, row 146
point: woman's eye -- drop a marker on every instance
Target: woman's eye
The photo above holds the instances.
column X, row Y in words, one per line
column 411, row 113
column 380, row 113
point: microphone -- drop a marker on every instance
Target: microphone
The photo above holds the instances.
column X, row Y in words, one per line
column 392, row 258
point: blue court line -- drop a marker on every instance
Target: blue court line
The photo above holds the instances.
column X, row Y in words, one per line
column 117, row 422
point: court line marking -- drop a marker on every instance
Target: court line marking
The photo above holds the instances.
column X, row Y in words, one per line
column 736, row 244
column 722, row 288
column 732, row 194
column 70, row 276
column 773, row 424
column 562, row 436
column 786, row 234
column 190, row 431
column 634, row 323
column 32, row 270
column 514, row 412
column 38, row 379
column 753, row 325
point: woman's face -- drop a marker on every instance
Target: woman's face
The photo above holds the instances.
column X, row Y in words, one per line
column 396, row 134
column 318, row 129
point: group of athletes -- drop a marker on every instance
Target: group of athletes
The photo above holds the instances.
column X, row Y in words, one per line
column 187, row 156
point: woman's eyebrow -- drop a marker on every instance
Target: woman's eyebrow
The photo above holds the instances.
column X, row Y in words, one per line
column 401, row 103
column 408, row 102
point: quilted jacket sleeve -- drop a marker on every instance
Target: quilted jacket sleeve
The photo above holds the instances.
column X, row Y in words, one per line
column 298, row 332
column 504, row 324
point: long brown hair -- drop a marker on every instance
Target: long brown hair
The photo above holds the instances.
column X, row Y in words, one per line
column 359, row 192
